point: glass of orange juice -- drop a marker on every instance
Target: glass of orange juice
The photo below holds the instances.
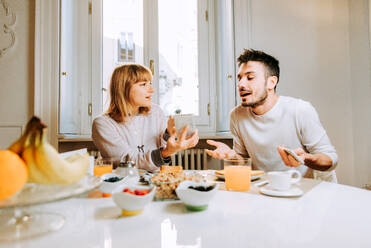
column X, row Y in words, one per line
column 237, row 173
column 102, row 166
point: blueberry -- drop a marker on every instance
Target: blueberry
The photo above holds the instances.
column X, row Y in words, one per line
column 201, row 188
column 112, row 179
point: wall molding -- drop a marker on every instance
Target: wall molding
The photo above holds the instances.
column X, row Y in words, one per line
column 13, row 125
column 8, row 28
column 9, row 133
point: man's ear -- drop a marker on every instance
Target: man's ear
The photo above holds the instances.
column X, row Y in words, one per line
column 272, row 82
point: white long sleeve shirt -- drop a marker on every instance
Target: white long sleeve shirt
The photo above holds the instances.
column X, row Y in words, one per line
column 292, row 123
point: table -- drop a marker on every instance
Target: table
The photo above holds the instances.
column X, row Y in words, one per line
column 327, row 215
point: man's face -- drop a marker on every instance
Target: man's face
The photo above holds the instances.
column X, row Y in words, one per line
column 252, row 84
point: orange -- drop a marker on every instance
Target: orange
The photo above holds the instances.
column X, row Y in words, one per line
column 13, row 174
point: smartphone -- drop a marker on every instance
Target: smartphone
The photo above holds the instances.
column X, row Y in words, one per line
column 292, row 153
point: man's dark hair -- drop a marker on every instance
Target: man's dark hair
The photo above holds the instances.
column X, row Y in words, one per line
column 270, row 63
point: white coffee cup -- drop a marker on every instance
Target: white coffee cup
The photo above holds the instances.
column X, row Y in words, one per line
column 183, row 120
column 282, row 180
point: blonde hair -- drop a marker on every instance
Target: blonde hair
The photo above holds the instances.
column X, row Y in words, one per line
column 122, row 79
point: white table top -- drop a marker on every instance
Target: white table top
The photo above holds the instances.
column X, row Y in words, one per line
column 328, row 215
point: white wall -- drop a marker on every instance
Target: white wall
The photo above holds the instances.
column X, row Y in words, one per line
column 360, row 89
column 320, row 64
column 16, row 71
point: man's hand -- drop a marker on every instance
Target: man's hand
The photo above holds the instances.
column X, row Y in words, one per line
column 178, row 142
column 290, row 160
column 317, row 161
column 222, row 151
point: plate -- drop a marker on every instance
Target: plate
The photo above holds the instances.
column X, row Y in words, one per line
column 221, row 177
column 33, row 193
column 293, row 192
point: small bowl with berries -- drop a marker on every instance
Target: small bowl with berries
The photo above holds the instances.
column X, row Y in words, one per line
column 133, row 199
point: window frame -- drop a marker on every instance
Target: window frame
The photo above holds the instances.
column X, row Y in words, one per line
column 206, row 122
column 47, row 64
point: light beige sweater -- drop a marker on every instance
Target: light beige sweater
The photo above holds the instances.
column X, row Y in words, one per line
column 142, row 138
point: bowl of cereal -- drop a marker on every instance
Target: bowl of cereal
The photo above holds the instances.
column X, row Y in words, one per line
column 166, row 184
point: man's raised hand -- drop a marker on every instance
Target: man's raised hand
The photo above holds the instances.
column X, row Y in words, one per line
column 222, row 151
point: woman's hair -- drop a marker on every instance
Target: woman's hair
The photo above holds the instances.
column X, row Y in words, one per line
column 122, row 79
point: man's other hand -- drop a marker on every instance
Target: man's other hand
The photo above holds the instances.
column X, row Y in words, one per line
column 290, row 160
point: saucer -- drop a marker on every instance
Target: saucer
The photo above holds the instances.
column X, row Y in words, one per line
column 292, row 192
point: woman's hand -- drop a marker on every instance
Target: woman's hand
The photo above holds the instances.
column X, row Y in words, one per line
column 171, row 130
column 178, row 142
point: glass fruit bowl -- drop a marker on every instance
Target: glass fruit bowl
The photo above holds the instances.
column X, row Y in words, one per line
column 17, row 224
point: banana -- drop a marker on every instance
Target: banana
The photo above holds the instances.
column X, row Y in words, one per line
column 18, row 145
column 34, row 174
column 55, row 166
column 45, row 164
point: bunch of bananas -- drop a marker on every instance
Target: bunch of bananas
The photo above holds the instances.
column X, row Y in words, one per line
column 45, row 164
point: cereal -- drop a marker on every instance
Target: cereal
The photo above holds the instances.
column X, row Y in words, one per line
column 166, row 184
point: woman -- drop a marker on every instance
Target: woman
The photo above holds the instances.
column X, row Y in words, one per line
column 133, row 126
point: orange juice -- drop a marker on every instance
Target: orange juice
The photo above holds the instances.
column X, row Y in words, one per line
column 99, row 170
column 237, row 177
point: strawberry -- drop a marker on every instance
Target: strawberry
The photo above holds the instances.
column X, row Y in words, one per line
column 141, row 191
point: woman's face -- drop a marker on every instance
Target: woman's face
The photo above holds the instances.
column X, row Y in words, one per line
column 141, row 94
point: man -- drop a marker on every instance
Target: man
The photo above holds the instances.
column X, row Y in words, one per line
column 265, row 123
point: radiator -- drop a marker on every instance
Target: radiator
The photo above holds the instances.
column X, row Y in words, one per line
column 191, row 159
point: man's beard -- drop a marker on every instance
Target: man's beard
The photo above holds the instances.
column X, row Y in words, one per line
column 261, row 100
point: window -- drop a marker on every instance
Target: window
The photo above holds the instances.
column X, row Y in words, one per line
column 75, row 66
column 126, row 47
column 178, row 56
column 122, row 39
column 171, row 37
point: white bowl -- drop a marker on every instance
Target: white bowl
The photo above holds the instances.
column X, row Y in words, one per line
column 193, row 199
column 108, row 187
column 132, row 204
